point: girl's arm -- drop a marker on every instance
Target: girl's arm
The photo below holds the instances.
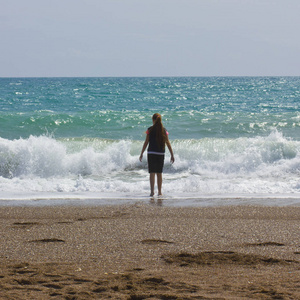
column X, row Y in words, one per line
column 170, row 149
column 144, row 146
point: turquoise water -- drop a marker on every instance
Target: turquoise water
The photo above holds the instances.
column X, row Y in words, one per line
column 117, row 108
column 81, row 137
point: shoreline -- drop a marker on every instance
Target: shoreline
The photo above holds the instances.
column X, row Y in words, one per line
column 167, row 201
column 139, row 251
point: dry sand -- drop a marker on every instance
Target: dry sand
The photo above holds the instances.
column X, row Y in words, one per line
column 149, row 252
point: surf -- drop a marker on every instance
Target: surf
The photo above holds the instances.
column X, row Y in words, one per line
column 210, row 166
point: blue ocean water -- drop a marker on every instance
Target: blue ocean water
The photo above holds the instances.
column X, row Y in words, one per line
column 80, row 138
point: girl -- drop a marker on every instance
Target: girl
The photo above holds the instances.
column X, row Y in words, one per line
column 157, row 138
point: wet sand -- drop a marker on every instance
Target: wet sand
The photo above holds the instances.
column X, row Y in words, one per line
column 149, row 252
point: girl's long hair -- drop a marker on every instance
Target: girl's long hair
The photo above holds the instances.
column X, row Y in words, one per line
column 160, row 131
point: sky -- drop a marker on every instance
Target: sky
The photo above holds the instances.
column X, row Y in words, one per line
column 99, row 38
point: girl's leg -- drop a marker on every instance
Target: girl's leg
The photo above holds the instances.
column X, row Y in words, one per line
column 152, row 182
column 159, row 183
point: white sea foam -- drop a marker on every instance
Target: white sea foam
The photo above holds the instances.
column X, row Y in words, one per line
column 43, row 167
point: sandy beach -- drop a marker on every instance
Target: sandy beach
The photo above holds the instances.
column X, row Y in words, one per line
column 145, row 251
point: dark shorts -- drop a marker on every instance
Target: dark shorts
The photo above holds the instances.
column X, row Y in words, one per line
column 155, row 163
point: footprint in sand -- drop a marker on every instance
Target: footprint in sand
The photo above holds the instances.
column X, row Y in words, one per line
column 53, row 240
column 221, row 257
column 266, row 244
column 25, row 225
column 155, row 242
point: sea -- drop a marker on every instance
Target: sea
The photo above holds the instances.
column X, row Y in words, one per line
column 78, row 140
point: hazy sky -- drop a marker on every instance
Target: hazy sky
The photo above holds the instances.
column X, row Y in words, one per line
column 149, row 37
